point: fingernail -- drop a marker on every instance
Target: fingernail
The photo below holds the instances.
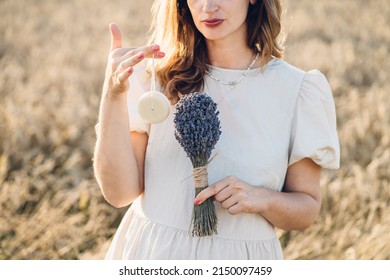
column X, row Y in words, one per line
column 130, row 70
column 141, row 55
column 155, row 47
column 161, row 54
column 196, row 201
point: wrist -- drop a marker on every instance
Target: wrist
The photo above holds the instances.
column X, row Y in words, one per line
column 113, row 106
column 264, row 197
column 112, row 92
column 113, row 95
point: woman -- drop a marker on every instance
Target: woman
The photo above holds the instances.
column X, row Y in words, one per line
column 278, row 130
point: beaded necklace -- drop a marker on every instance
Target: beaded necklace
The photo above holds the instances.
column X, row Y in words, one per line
column 236, row 82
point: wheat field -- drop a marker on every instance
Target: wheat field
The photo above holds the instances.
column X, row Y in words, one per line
column 52, row 62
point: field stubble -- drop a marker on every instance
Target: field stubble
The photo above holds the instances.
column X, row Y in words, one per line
column 52, row 61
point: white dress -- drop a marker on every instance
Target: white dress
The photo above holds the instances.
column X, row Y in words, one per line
column 272, row 119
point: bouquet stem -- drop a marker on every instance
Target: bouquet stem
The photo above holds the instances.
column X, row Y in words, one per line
column 204, row 217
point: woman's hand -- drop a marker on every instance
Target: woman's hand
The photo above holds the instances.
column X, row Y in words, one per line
column 295, row 208
column 121, row 62
column 234, row 195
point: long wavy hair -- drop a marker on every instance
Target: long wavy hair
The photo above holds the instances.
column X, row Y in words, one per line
column 185, row 64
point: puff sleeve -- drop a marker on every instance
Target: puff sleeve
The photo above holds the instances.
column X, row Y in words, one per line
column 139, row 84
column 314, row 131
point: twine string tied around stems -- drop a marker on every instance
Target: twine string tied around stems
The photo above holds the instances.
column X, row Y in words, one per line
column 200, row 176
column 200, row 169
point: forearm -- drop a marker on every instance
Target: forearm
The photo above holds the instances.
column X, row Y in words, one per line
column 115, row 164
column 293, row 209
column 288, row 210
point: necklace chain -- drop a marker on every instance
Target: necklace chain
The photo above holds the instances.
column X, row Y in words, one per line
column 236, row 82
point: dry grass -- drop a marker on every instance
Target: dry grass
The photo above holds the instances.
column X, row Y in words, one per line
column 52, row 60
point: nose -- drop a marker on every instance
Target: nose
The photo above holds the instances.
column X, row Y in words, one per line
column 210, row 6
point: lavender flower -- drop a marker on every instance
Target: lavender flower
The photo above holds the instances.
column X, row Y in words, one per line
column 197, row 129
column 197, row 126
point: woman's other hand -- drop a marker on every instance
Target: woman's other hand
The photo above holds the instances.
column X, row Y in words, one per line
column 234, row 195
column 295, row 208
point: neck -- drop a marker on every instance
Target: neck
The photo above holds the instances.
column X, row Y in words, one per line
column 229, row 56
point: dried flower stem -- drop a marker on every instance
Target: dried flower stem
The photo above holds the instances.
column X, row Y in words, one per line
column 204, row 218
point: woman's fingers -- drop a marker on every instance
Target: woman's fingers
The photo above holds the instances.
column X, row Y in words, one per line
column 122, row 77
column 224, row 194
column 122, row 60
column 211, row 190
column 148, row 51
column 116, row 37
column 234, row 195
column 131, row 62
column 229, row 202
column 133, row 56
column 235, row 209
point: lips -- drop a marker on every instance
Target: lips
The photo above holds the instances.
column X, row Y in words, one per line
column 212, row 22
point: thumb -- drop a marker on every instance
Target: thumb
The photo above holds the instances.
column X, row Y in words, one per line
column 116, row 36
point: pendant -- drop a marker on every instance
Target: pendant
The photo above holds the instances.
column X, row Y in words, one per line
column 153, row 107
column 232, row 85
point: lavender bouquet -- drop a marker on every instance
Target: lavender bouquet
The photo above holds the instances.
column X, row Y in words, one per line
column 197, row 129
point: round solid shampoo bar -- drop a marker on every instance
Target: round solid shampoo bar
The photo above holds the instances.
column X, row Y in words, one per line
column 153, row 107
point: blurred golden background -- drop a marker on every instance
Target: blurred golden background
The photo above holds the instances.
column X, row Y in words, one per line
column 52, row 63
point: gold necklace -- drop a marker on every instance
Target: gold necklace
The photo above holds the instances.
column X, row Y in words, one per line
column 236, row 82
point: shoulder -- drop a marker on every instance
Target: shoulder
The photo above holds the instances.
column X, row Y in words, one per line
column 295, row 78
column 284, row 69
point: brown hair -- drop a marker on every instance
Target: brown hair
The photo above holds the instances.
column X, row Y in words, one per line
column 185, row 64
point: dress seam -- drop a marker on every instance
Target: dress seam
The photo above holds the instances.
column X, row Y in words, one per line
column 188, row 233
